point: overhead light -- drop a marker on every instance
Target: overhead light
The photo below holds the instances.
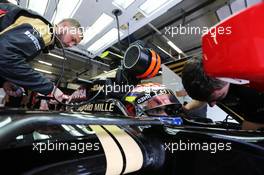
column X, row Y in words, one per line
column 174, row 47
column 223, row 12
column 252, row 2
column 56, row 56
column 65, row 9
column 99, row 25
column 38, row 6
column 44, row 71
column 237, row 6
column 105, row 40
column 43, row 62
column 122, row 3
column 150, row 6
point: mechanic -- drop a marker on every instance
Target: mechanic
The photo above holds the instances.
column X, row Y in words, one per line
column 23, row 36
column 248, row 101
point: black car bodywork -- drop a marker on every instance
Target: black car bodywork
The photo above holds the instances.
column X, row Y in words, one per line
column 32, row 143
column 96, row 135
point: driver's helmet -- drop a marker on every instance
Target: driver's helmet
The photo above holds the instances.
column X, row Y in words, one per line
column 153, row 99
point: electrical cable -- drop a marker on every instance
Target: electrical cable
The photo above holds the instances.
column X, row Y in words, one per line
column 59, row 80
column 118, row 32
column 117, row 13
column 128, row 31
column 63, row 69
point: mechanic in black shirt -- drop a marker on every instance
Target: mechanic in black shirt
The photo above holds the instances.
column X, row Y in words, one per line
column 240, row 98
column 23, row 36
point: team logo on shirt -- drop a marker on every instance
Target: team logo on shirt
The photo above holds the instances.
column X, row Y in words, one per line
column 33, row 39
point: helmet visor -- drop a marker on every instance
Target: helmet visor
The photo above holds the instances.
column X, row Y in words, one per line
column 159, row 101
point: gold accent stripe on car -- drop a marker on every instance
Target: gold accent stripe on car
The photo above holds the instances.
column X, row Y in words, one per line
column 133, row 153
column 114, row 159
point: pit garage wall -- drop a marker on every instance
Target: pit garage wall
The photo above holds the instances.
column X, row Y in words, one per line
column 173, row 82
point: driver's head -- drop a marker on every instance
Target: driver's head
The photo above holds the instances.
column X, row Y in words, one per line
column 200, row 86
column 158, row 105
column 153, row 99
column 69, row 31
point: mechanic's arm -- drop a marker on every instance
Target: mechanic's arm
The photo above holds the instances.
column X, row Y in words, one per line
column 16, row 46
column 194, row 104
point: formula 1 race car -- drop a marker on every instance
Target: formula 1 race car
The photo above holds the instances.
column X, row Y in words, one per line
column 138, row 130
column 141, row 131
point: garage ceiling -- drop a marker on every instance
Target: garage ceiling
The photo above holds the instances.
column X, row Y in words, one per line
column 84, row 63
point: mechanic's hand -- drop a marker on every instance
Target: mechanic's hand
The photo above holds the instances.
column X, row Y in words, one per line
column 13, row 90
column 79, row 94
column 181, row 93
column 58, row 95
